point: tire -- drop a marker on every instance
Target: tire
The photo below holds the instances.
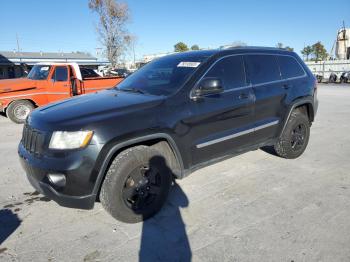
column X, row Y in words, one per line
column 136, row 185
column 19, row 110
column 295, row 136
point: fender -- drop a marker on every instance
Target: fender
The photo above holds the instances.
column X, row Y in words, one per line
column 309, row 101
column 133, row 141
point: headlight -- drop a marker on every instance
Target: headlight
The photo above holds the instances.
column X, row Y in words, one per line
column 70, row 140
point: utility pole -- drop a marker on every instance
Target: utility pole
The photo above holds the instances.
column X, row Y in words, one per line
column 344, row 38
column 17, row 42
column 133, row 49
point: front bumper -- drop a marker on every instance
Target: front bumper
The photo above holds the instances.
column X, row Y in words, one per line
column 78, row 193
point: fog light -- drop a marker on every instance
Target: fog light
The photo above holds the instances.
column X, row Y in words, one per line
column 57, row 179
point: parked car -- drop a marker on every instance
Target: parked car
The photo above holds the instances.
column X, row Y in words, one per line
column 124, row 146
column 122, row 72
column 46, row 83
column 332, row 78
column 319, row 78
column 344, row 78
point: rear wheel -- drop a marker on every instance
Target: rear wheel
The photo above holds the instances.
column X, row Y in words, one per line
column 136, row 185
column 19, row 110
column 295, row 136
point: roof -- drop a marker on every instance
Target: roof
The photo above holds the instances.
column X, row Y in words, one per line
column 46, row 55
column 231, row 50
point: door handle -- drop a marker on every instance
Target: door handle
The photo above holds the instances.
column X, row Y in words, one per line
column 287, row 86
column 243, row 96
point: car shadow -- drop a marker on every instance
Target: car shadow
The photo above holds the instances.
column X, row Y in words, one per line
column 164, row 236
column 269, row 149
column 9, row 222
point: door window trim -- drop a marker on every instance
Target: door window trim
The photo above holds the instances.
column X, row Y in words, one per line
column 249, row 85
column 192, row 96
column 280, row 80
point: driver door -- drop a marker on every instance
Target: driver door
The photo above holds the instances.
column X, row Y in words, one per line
column 222, row 123
column 60, row 85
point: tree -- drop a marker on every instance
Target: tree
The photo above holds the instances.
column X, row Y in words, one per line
column 238, row 43
column 180, row 47
column 113, row 17
column 131, row 41
column 281, row 46
column 319, row 51
column 288, row 48
column 307, row 51
column 195, row 47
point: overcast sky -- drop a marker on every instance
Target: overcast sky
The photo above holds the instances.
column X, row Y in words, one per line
column 68, row 25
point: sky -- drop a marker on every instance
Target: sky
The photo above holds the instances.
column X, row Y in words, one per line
column 69, row 25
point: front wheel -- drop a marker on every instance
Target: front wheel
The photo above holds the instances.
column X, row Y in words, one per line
column 136, row 185
column 19, row 110
column 295, row 136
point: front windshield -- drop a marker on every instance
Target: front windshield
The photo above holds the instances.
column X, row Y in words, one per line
column 39, row 72
column 163, row 76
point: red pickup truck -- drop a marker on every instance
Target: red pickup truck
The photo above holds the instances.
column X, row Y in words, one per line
column 46, row 83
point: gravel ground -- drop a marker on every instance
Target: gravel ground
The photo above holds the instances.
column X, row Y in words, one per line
column 254, row 207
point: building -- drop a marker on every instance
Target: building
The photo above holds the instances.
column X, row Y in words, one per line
column 342, row 47
column 17, row 64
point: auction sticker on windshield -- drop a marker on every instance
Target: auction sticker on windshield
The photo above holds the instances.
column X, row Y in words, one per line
column 188, row 64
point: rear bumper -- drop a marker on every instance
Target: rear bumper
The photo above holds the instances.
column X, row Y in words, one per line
column 37, row 176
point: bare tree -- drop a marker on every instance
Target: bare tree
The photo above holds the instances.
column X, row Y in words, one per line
column 113, row 17
column 131, row 41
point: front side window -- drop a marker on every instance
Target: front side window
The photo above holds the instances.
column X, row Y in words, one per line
column 230, row 70
column 289, row 67
column 262, row 68
column 60, row 74
column 39, row 72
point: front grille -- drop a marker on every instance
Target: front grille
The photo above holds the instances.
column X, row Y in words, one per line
column 33, row 140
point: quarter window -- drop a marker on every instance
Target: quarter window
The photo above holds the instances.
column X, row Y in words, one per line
column 289, row 67
column 60, row 74
column 231, row 72
column 262, row 68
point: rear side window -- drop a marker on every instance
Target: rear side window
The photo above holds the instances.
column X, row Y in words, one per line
column 60, row 74
column 231, row 72
column 262, row 68
column 289, row 67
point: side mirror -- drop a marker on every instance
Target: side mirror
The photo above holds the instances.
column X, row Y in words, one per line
column 209, row 86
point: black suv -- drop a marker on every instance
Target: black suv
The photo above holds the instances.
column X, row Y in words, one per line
column 123, row 146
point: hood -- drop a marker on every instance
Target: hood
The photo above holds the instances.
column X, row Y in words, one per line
column 82, row 111
column 16, row 84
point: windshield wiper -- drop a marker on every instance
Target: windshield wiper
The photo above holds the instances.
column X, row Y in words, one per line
column 133, row 90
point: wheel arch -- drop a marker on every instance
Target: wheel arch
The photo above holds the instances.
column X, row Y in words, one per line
column 21, row 99
column 304, row 104
column 160, row 141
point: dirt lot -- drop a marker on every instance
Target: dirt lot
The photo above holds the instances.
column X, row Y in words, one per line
column 255, row 207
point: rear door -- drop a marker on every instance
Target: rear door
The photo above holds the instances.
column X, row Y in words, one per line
column 270, row 92
column 60, row 84
column 222, row 123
